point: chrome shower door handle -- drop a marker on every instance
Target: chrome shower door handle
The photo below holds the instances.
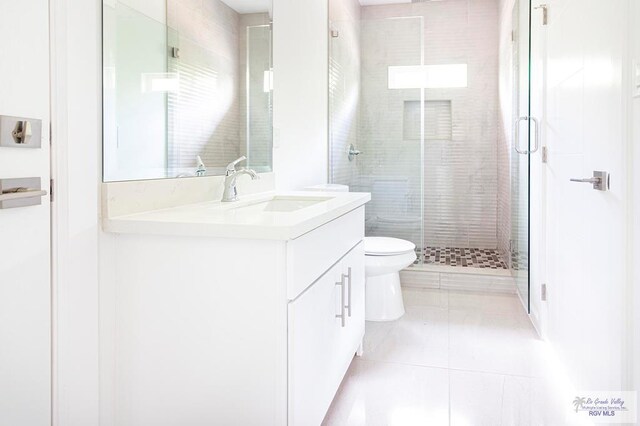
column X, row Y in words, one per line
column 516, row 142
column 348, row 277
column 341, row 315
column 516, row 135
column 536, row 139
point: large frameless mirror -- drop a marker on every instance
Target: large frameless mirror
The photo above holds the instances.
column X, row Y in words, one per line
column 188, row 87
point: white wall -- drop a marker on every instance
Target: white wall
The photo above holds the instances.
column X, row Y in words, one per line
column 300, row 104
column 634, row 254
column 76, row 105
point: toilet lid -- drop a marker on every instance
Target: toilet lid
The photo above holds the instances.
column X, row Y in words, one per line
column 384, row 246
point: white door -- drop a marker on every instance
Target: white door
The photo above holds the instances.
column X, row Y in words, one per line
column 584, row 131
column 25, row 296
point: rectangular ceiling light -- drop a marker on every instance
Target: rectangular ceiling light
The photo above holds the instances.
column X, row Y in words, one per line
column 428, row 76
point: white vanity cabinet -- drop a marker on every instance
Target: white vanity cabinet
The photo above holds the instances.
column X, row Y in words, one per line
column 326, row 326
column 203, row 330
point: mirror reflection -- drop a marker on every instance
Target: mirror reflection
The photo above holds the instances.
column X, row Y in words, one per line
column 187, row 87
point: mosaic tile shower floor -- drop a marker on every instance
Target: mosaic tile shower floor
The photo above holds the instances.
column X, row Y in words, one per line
column 465, row 257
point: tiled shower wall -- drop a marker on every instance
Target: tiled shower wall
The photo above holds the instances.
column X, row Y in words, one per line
column 461, row 193
column 344, row 88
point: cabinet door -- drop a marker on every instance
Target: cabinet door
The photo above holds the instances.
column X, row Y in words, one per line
column 321, row 345
column 352, row 266
column 315, row 341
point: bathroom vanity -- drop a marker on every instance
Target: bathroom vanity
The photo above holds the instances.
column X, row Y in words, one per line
column 245, row 313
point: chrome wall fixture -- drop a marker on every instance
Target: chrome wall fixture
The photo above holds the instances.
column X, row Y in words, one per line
column 353, row 152
column 20, row 132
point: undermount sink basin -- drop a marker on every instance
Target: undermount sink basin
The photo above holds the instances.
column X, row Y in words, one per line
column 283, row 204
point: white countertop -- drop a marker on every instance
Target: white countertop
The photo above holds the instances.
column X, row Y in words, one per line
column 228, row 220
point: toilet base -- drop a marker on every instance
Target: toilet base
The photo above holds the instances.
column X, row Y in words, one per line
column 383, row 298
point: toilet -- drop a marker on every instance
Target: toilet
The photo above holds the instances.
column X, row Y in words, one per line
column 384, row 259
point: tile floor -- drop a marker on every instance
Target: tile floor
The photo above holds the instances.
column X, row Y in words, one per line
column 464, row 257
column 455, row 358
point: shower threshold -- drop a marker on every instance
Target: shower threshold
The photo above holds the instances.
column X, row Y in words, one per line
column 465, row 269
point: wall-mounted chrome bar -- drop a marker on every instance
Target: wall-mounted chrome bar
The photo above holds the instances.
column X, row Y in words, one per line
column 20, row 192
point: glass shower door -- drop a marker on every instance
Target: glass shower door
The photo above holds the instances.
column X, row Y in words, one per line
column 524, row 137
column 377, row 108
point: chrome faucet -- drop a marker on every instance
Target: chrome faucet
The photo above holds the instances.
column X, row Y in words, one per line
column 230, row 177
column 201, row 170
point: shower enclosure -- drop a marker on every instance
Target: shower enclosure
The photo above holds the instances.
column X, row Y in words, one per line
column 429, row 112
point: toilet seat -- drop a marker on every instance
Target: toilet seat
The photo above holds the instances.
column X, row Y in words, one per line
column 384, row 246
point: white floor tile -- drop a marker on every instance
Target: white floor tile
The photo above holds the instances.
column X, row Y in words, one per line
column 420, row 338
column 476, row 398
column 493, row 342
column 426, row 298
column 517, row 401
column 455, row 358
column 377, row 393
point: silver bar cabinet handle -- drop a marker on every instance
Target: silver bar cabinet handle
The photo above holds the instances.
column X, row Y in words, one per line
column 348, row 276
column 342, row 315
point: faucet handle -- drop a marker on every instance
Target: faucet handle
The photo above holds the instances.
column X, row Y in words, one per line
column 231, row 167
